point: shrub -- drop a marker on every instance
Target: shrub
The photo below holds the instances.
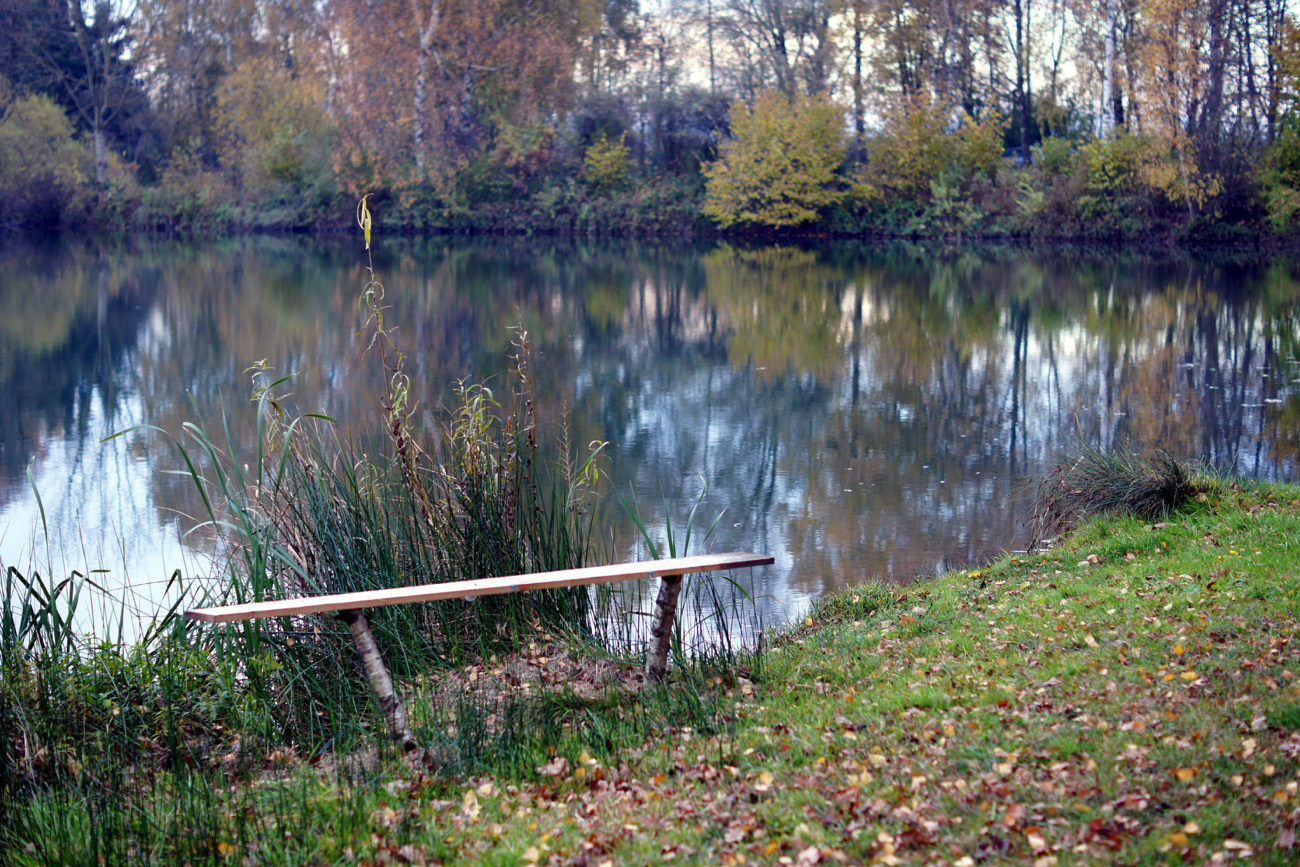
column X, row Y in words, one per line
column 606, row 165
column 918, row 157
column 1054, row 157
column 44, row 171
column 912, row 150
column 977, row 148
column 187, row 196
column 780, row 167
column 1164, row 170
column 1116, row 482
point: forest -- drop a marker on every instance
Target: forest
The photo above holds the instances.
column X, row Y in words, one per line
column 1090, row 119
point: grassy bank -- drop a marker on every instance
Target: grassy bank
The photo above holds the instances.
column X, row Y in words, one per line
column 1129, row 696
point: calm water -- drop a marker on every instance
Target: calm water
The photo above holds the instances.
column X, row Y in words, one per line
column 856, row 410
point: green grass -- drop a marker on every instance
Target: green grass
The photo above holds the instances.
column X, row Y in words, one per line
column 1130, row 696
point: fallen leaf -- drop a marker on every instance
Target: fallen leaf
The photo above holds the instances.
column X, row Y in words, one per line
column 811, row 855
column 556, row 767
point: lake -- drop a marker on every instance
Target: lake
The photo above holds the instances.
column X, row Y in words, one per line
column 855, row 410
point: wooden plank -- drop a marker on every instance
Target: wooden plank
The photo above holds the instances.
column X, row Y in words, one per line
column 477, row 587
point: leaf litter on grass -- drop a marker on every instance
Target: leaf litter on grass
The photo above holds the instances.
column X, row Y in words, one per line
column 1139, row 707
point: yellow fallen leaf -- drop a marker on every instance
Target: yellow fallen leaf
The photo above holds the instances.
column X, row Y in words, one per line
column 1185, row 775
column 1188, row 675
column 531, row 854
column 1178, row 650
column 1191, row 828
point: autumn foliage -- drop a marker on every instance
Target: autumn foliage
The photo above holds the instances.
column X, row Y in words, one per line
column 781, row 167
column 480, row 114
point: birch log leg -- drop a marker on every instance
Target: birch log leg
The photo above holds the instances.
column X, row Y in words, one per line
column 381, row 683
column 661, row 629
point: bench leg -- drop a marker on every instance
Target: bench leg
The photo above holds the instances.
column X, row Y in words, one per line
column 380, row 681
column 661, row 628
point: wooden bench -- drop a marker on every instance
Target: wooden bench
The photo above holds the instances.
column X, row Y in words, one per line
column 350, row 608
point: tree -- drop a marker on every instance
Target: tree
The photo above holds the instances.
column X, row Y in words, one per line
column 780, row 167
column 780, row 43
column 446, row 77
column 79, row 53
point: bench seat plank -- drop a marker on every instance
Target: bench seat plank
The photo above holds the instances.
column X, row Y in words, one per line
column 477, row 587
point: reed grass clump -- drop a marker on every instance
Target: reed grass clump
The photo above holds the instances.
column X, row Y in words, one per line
column 1110, row 482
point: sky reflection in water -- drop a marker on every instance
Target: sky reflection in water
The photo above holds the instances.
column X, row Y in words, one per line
column 853, row 410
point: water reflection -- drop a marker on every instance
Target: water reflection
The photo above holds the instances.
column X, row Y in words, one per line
column 855, row 410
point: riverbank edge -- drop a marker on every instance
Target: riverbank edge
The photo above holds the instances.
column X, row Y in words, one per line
column 673, row 209
column 1258, row 245
column 1130, row 696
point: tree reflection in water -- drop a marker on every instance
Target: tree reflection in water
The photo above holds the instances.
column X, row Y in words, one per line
column 858, row 411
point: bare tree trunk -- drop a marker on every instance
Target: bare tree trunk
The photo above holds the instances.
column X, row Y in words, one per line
column 713, row 73
column 1105, row 119
column 1022, row 11
column 428, row 29
column 859, row 115
column 1211, row 125
column 101, row 162
column 661, row 630
column 381, row 683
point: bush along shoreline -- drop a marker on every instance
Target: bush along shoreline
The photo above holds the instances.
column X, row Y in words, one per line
column 1130, row 694
column 776, row 167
